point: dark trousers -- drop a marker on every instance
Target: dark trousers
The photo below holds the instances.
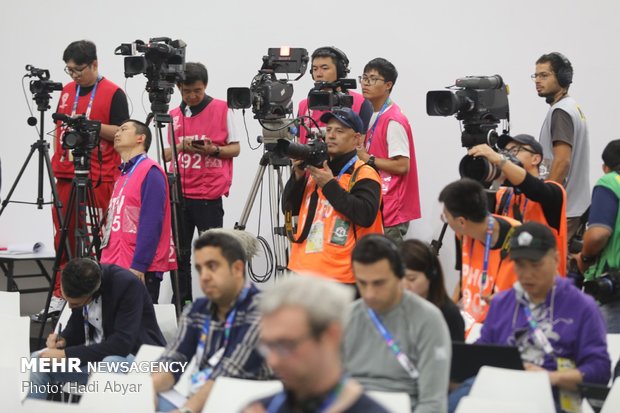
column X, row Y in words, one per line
column 202, row 214
column 152, row 282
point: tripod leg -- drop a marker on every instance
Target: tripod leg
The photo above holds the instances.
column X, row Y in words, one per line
column 33, row 148
column 279, row 240
column 245, row 214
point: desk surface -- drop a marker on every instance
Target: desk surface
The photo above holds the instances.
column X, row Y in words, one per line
column 43, row 255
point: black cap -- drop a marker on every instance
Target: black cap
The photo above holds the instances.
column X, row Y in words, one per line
column 531, row 241
column 346, row 116
column 523, row 139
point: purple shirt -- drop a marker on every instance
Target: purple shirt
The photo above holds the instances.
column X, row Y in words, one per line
column 570, row 319
column 153, row 193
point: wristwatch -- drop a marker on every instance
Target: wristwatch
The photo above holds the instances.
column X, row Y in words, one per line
column 216, row 154
column 371, row 161
column 185, row 410
column 587, row 260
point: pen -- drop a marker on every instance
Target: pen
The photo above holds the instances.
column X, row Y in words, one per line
column 59, row 331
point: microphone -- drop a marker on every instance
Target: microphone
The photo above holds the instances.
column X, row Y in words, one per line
column 480, row 82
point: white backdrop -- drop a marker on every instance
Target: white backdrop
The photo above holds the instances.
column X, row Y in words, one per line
column 431, row 44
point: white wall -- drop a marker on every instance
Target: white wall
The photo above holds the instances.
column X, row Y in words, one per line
column 431, row 44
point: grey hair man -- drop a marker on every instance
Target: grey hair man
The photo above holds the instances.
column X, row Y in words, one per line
column 301, row 337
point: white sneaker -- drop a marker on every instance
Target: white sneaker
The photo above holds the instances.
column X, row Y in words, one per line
column 56, row 306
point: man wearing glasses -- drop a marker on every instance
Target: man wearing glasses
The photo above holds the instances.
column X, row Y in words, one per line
column 524, row 196
column 330, row 64
column 389, row 148
column 99, row 99
column 564, row 136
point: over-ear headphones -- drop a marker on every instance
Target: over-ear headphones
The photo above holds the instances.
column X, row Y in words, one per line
column 564, row 74
column 342, row 61
column 431, row 271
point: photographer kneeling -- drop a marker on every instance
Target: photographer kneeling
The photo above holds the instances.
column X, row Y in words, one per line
column 599, row 259
column 524, row 196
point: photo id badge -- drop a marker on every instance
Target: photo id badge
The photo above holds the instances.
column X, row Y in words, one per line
column 341, row 232
column 107, row 229
column 216, row 357
column 200, row 378
column 314, row 242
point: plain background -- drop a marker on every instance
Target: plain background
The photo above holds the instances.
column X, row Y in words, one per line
column 431, row 44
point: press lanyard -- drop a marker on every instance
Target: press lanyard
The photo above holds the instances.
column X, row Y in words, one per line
column 90, row 103
column 140, row 159
column 487, row 249
column 539, row 335
column 346, row 167
column 202, row 343
column 280, row 398
column 86, row 325
column 402, row 358
column 371, row 133
column 507, row 205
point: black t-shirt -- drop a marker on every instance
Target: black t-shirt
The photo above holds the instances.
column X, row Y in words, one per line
column 456, row 324
column 548, row 194
column 119, row 109
column 363, row 404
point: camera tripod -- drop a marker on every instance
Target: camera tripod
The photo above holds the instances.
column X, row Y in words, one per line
column 81, row 205
column 271, row 161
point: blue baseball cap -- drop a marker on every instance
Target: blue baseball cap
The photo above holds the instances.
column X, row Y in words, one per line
column 346, row 116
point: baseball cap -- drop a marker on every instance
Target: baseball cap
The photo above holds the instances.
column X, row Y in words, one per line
column 531, row 241
column 523, row 139
column 346, row 116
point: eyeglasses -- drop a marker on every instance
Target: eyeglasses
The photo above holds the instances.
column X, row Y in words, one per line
column 541, row 75
column 283, row 348
column 74, row 71
column 371, row 81
column 514, row 151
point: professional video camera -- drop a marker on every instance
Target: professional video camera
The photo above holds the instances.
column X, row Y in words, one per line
column 329, row 95
column 605, row 288
column 270, row 97
column 82, row 134
column 163, row 64
column 480, row 103
column 43, row 85
column 313, row 153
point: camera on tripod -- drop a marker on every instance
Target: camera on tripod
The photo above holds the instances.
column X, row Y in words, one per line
column 605, row 288
column 43, row 85
column 321, row 99
column 269, row 97
column 163, row 64
column 82, row 134
column 480, row 103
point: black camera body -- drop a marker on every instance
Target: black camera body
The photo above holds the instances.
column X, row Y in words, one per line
column 483, row 171
column 605, row 288
column 334, row 97
column 269, row 97
column 44, row 84
column 82, row 134
column 313, row 153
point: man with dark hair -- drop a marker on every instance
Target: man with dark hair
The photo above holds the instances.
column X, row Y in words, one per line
column 112, row 316
column 135, row 237
column 395, row 340
column 99, row 99
column 600, row 253
column 523, row 195
column 337, row 203
column 220, row 330
column 564, row 136
column 389, row 148
column 206, row 144
column 328, row 65
column 482, row 247
column 556, row 327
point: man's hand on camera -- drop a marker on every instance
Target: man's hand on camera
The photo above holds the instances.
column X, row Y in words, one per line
column 487, row 152
column 321, row 175
column 300, row 172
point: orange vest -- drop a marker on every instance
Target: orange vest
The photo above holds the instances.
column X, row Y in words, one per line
column 533, row 211
column 500, row 274
column 331, row 258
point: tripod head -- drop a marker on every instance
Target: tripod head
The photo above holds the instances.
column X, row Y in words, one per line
column 41, row 88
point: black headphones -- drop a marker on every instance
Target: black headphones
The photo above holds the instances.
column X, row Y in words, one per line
column 431, row 272
column 565, row 72
column 342, row 61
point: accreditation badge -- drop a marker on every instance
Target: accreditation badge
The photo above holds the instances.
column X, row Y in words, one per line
column 341, row 232
column 570, row 401
column 314, row 242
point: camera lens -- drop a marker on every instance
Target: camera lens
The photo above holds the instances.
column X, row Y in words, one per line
column 479, row 169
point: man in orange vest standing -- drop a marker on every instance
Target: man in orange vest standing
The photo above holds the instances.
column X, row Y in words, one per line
column 337, row 203
column 525, row 197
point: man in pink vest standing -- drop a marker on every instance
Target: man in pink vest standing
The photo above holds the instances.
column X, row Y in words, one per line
column 389, row 149
column 134, row 237
column 206, row 144
column 330, row 64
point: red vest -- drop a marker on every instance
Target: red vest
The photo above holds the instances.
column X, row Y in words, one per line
column 401, row 197
column 534, row 212
column 203, row 177
column 62, row 164
column 123, row 220
column 500, row 274
column 334, row 261
column 303, row 110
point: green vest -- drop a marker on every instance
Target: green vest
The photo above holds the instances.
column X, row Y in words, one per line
column 610, row 256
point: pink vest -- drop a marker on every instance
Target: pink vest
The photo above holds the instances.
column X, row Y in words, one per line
column 125, row 213
column 401, row 197
column 203, row 177
column 303, row 110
